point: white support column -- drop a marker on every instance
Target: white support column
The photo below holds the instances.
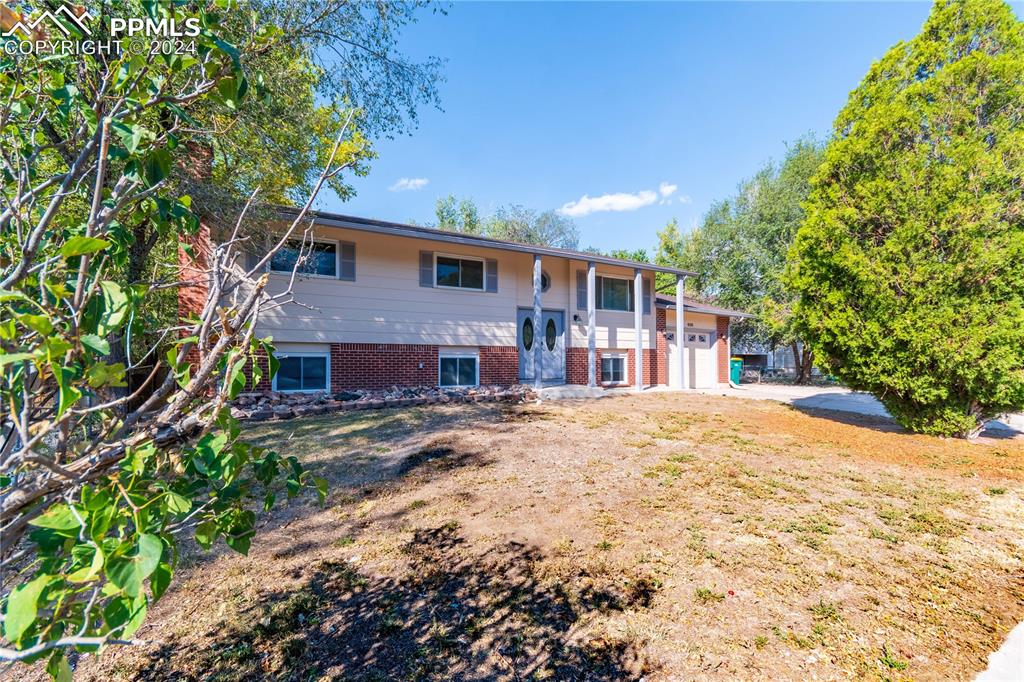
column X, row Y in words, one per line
column 538, row 332
column 592, row 324
column 638, row 326
column 681, row 330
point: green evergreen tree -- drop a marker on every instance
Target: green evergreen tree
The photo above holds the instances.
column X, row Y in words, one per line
column 910, row 265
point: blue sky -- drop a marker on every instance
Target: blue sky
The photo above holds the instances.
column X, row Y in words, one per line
column 547, row 103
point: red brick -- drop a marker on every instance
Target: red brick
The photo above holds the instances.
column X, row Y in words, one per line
column 722, row 343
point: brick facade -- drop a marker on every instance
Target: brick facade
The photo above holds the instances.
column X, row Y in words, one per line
column 194, row 272
column 382, row 365
column 722, row 342
column 499, row 365
column 576, row 366
column 661, row 373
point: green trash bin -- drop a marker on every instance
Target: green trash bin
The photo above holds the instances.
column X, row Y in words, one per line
column 735, row 369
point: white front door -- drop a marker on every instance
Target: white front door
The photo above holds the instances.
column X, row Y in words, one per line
column 701, row 361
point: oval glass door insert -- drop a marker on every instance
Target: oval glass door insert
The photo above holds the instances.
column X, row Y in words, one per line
column 549, row 334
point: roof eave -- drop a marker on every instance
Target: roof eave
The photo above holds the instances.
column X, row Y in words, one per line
column 724, row 312
column 418, row 232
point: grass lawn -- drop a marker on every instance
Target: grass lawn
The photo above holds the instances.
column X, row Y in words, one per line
column 659, row 536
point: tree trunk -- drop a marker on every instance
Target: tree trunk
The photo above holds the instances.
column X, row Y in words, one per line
column 804, row 361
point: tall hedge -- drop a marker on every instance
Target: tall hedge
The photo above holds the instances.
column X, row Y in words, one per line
column 910, row 265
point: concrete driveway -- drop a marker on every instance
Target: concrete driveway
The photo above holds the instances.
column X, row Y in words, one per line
column 845, row 400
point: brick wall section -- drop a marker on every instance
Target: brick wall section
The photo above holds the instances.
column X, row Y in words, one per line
column 723, row 349
column 655, row 365
column 265, row 381
column 576, row 366
column 500, row 365
column 193, row 271
column 382, row 365
column 651, row 366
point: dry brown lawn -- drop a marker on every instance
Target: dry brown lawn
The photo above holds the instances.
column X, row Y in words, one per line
column 658, row 536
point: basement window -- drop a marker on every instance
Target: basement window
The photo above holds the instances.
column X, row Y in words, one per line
column 302, row 372
column 613, row 369
column 458, row 370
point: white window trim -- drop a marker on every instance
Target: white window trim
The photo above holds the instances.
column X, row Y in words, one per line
column 632, row 295
column 469, row 355
column 315, row 240
column 625, row 368
column 305, row 354
column 483, row 261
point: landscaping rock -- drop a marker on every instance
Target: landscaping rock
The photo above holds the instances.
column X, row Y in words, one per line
column 278, row 405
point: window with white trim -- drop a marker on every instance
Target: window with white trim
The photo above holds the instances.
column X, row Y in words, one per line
column 459, row 272
column 458, row 369
column 303, row 372
column 614, row 293
column 318, row 259
column 613, row 369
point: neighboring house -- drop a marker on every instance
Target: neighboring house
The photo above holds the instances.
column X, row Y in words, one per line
column 391, row 304
column 761, row 356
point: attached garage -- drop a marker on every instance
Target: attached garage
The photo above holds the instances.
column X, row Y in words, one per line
column 706, row 343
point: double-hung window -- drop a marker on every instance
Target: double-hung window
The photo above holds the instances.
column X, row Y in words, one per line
column 459, row 272
column 458, row 369
column 303, row 372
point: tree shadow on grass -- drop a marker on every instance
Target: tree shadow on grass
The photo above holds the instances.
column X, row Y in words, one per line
column 455, row 614
column 886, row 424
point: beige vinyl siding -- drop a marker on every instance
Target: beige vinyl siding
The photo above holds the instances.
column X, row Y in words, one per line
column 386, row 304
column 702, row 321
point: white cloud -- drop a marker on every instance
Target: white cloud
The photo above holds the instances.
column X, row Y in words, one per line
column 667, row 189
column 685, row 199
column 408, row 184
column 620, row 201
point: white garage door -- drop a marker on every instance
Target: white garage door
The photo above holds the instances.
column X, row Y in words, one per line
column 701, row 360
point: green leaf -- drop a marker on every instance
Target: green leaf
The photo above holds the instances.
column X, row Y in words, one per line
column 131, row 135
column 68, row 394
column 58, row 667
column 8, row 358
column 102, row 374
column 96, row 343
column 59, row 518
column 6, row 295
column 22, row 607
column 115, row 307
column 157, row 166
column 39, row 323
column 125, row 613
column 178, row 504
column 321, row 487
column 161, row 579
column 90, row 572
column 79, row 246
column 128, row 573
column 206, row 533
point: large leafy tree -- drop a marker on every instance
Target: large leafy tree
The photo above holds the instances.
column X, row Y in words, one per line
column 515, row 223
column 97, row 152
column 740, row 250
column 910, row 266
